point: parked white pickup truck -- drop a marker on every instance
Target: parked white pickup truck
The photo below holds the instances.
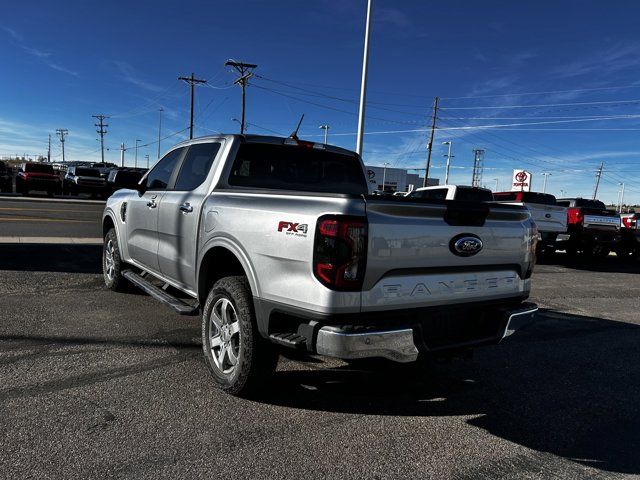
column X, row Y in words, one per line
column 463, row 193
column 278, row 244
column 550, row 217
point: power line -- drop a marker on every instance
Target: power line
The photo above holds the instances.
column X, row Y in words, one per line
column 612, row 102
column 246, row 71
column 101, row 131
column 62, row 133
column 192, row 81
column 575, row 90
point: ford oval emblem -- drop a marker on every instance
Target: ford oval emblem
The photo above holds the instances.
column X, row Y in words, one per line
column 465, row 245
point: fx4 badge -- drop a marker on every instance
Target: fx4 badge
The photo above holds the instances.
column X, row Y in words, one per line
column 290, row 228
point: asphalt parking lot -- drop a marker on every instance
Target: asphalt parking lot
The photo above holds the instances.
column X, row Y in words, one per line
column 103, row 385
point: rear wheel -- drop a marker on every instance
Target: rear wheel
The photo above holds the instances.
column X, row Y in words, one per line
column 239, row 359
column 112, row 264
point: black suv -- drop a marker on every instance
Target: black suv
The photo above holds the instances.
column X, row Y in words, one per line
column 6, row 178
column 84, row 180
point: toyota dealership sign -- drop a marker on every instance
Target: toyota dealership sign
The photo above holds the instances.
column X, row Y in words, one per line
column 521, row 181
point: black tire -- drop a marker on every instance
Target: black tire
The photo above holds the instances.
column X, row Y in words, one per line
column 255, row 358
column 113, row 278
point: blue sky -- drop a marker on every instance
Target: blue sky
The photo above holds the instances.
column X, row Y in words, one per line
column 65, row 61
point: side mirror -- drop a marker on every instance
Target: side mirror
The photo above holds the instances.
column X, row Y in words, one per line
column 141, row 186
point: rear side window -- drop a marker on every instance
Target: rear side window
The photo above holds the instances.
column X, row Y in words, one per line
column 474, row 194
column 196, row 165
column 539, row 198
column 436, row 194
column 38, row 168
column 160, row 174
column 299, row 168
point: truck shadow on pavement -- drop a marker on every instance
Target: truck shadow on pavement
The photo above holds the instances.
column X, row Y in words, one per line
column 568, row 385
column 64, row 258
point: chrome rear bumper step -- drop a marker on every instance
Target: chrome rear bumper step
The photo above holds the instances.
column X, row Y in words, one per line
column 396, row 345
column 159, row 294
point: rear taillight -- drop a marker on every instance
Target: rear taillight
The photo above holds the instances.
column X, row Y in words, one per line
column 574, row 216
column 340, row 252
column 25, row 176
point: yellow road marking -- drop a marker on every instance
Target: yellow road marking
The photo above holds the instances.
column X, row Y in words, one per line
column 36, row 219
column 11, row 209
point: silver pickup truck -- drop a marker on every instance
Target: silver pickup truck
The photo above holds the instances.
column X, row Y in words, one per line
column 277, row 243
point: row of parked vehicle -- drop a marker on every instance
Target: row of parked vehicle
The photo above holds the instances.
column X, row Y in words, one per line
column 94, row 179
column 575, row 225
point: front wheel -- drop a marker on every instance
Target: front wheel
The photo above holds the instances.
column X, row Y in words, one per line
column 239, row 359
column 112, row 264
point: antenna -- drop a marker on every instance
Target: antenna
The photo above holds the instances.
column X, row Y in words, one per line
column 294, row 134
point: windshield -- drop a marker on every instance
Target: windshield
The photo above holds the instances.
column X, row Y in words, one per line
column 87, row 172
column 292, row 167
column 38, row 168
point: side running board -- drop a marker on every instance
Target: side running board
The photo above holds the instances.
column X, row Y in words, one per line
column 159, row 294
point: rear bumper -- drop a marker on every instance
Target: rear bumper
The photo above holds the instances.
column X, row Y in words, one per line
column 398, row 335
column 404, row 344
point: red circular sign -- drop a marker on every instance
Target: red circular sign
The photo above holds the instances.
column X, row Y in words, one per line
column 521, row 176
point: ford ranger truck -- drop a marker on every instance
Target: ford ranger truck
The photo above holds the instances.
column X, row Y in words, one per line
column 278, row 245
column 591, row 228
column 550, row 218
column 37, row 176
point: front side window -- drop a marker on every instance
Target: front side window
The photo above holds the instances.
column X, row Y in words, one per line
column 196, row 165
column 160, row 174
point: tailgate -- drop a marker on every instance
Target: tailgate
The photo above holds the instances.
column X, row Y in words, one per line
column 411, row 261
column 548, row 218
column 599, row 221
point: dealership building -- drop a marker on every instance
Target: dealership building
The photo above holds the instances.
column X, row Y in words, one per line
column 395, row 179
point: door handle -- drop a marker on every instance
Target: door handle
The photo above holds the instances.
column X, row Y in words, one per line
column 186, row 208
column 152, row 204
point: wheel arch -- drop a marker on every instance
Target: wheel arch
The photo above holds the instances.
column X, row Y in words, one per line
column 223, row 258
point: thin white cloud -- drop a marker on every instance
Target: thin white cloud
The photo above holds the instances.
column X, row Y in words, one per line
column 128, row 74
column 35, row 52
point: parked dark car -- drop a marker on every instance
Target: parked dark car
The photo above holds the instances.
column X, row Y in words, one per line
column 37, row 176
column 6, row 178
column 84, row 180
column 103, row 168
column 591, row 228
column 124, row 178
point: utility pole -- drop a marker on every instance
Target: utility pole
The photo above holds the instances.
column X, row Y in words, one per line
column 49, row 150
column 325, row 127
column 160, row 129
column 430, row 144
column 478, row 158
column 246, row 72
column 598, row 175
column 62, row 132
column 191, row 81
column 449, row 157
column 136, row 157
column 363, row 84
column 384, row 174
column 122, row 149
column 147, row 158
column 544, row 185
column 621, row 201
column 497, row 184
column 101, row 131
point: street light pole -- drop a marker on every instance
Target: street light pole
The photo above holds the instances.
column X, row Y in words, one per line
column 136, row 158
column 325, row 127
column 147, row 158
column 363, row 85
column 160, row 130
column 621, row 202
column 384, row 174
column 497, row 184
column 544, row 186
column 449, row 157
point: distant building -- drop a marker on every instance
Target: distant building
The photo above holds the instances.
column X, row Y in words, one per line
column 395, row 179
